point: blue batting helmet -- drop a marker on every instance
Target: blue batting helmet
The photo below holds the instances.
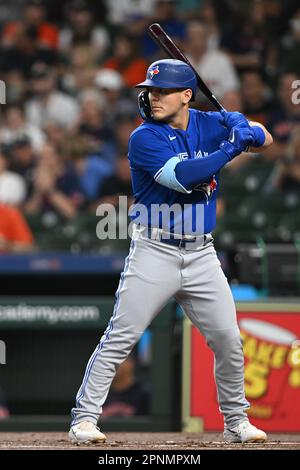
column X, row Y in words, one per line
column 170, row 73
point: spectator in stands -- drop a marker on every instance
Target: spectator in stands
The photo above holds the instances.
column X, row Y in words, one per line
column 287, row 175
column 56, row 133
column 127, row 396
column 232, row 101
column 208, row 15
column 23, row 160
column 80, row 73
column 256, row 97
column 126, row 125
column 10, row 11
column 15, row 126
column 29, row 40
column 82, row 31
column 248, row 36
column 118, row 184
column 15, row 234
column 16, row 87
column 289, row 57
column 129, row 13
column 48, row 104
column 56, row 187
column 34, row 22
column 92, row 120
column 126, row 60
column 110, row 83
column 91, row 168
column 284, row 117
column 165, row 13
column 12, row 186
column 189, row 9
column 214, row 66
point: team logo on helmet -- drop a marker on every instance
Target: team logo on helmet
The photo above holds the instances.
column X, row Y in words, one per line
column 154, row 72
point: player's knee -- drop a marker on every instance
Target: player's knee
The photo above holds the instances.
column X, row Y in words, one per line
column 128, row 337
column 227, row 340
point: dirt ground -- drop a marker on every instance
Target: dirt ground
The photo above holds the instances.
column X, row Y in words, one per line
column 143, row 441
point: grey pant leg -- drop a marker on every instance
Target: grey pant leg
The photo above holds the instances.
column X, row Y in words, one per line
column 207, row 300
column 151, row 276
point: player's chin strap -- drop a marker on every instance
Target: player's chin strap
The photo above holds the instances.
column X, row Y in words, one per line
column 144, row 105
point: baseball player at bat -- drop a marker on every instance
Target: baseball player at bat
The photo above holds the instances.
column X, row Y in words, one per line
column 175, row 156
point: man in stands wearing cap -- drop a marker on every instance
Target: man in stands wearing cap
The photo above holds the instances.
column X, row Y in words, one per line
column 111, row 85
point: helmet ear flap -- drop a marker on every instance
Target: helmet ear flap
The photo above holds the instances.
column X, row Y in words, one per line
column 144, row 105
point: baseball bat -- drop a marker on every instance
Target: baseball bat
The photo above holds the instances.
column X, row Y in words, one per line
column 167, row 44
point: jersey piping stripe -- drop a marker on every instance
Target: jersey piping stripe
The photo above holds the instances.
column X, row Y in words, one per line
column 107, row 331
column 158, row 173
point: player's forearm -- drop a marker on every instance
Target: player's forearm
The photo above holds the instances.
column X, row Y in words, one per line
column 266, row 140
column 261, row 138
column 190, row 173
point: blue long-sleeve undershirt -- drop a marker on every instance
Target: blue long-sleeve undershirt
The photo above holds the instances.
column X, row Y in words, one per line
column 190, row 173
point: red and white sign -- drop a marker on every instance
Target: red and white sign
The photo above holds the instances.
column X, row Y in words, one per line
column 272, row 372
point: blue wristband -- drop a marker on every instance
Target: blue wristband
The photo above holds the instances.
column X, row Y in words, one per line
column 260, row 136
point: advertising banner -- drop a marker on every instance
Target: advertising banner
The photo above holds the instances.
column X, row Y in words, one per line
column 271, row 340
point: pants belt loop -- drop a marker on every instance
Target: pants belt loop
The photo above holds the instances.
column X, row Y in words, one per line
column 155, row 234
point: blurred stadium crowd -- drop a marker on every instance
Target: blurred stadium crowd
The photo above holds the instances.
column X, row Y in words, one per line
column 69, row 70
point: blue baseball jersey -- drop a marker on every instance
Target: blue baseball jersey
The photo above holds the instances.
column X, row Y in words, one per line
column 151, row 145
